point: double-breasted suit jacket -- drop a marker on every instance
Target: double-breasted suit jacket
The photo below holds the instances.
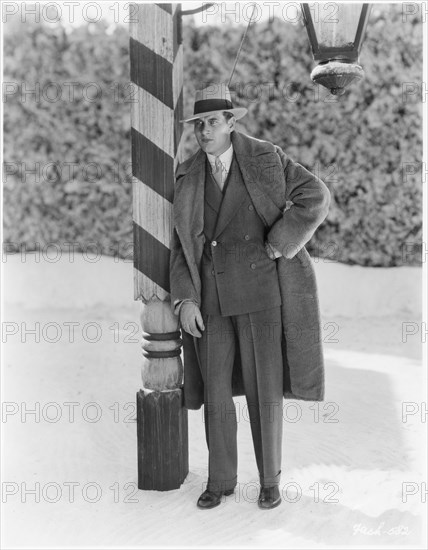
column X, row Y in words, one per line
column 273, row 181
column 237, row 275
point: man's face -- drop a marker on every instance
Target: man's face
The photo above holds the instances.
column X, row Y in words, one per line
column 213, row 133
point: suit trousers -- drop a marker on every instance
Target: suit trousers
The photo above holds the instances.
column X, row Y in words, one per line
column 258, row 338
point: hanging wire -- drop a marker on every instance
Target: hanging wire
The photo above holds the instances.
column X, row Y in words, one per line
column 196, row 10
column 241, row 44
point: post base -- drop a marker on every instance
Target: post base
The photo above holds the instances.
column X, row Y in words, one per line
column 162, row 439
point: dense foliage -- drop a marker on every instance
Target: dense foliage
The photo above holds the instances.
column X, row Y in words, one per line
column 365, row 145
column 69, row 143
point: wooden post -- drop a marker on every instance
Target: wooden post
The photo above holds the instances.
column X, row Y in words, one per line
column 157, row 74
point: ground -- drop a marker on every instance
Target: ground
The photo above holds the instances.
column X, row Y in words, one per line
column 353, row 466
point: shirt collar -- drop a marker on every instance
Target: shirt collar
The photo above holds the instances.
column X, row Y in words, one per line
column 225, row 158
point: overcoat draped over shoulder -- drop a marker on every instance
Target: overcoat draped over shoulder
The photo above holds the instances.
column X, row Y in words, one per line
column 274, row 182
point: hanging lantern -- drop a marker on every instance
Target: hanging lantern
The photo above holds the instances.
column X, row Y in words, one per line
column 336, row 34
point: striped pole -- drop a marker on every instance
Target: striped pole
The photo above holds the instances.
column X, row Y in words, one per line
column 156, row 56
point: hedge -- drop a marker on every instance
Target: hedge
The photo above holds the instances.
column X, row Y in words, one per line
column 365, row 145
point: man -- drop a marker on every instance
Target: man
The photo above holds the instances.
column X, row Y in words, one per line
column 244, row 288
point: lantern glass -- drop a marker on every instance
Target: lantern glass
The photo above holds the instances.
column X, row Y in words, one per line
column 336, row 33
column 337, row 28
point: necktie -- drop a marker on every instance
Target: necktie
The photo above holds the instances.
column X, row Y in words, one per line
column 218, row 172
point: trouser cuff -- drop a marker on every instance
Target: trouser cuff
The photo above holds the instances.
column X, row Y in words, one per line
column 270, row 481
column 218, row 486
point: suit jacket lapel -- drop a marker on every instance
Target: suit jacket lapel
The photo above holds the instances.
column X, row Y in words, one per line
column 234, row 195
column 213, row 195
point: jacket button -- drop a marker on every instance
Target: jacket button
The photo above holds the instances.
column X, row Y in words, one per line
column 212, row 272
column 214, row 243
column 253, row 266
column 251, row 207
column 247, row 237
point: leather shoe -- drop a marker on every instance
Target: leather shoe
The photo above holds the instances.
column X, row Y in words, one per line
column 269, row 497
column 211, row 499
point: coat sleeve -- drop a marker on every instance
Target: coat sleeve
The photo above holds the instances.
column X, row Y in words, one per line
column 311, row 200
column 181, row 285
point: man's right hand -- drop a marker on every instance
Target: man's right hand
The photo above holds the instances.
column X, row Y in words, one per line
column 191, row 319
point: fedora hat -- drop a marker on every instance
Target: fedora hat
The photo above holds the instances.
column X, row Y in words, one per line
column 214, row 99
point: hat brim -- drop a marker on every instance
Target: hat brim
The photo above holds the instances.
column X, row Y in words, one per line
column 238, row 112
